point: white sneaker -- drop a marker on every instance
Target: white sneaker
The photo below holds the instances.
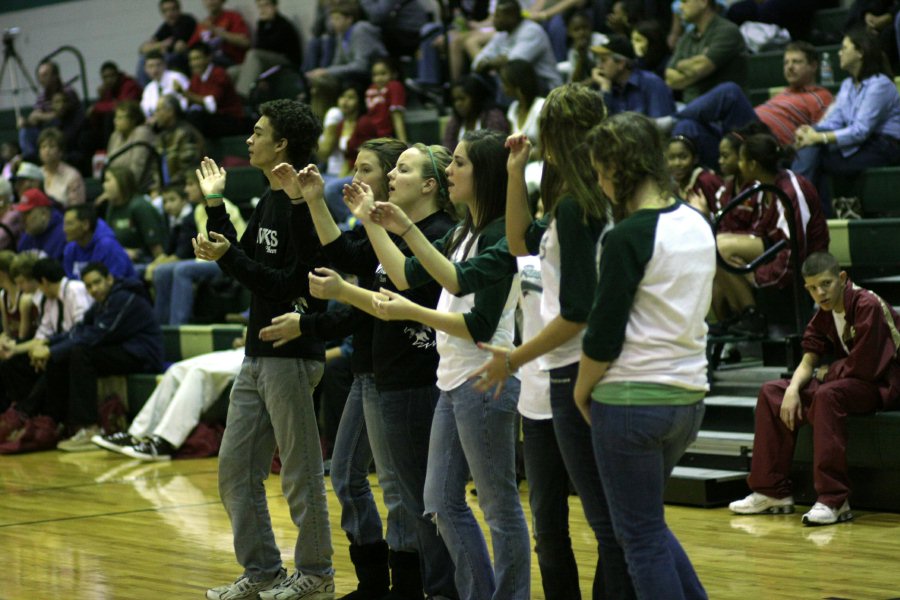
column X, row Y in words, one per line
column 245, row 589
column 81, row 441
column 302, row 587
column 760, row 504
column 822, row 514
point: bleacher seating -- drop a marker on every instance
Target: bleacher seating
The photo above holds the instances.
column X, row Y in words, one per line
column 179, row 343
column 829, row 19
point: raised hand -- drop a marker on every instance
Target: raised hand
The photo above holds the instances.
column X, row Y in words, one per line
column 211, row 177
column 283, row 329
column 312, row 186
column 360, row 200
column 391, row 217
column 519, row 148
column 212, row 248
column 391, row 306
column 325, row 284
column 493, row 373
column 286, row 177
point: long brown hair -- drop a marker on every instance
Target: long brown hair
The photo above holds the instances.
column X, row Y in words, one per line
column 488, row 154
column 568, row 112
column 630, row 144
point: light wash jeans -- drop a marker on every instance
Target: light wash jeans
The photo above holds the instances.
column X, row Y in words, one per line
column 271, row 406
column 174, row 284
column 360, row 439
column 636, row 448
column 473, row 430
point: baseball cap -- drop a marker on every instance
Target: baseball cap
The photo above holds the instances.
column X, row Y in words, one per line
column 615, row 44
column 29, row 170
column 32, row 198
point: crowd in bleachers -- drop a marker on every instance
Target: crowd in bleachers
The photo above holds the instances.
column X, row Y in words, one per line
column 107, row 217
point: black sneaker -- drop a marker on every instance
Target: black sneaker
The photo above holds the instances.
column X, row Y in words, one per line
column 114, row 441
column 154, row 448
column 751, row 323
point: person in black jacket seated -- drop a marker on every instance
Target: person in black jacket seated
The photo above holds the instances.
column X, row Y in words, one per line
column 271, row 401
column 118, row 335
column 277, row 43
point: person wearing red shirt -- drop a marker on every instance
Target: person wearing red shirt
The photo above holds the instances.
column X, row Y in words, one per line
column 215, row 107
column 225, row 31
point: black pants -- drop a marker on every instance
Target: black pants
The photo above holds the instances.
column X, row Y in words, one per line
column 71, row 392
column 19, row 379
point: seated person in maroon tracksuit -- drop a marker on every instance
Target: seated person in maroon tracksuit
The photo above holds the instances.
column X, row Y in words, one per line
column 858, row 331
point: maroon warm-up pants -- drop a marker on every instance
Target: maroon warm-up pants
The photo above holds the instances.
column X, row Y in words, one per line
column 825, row 406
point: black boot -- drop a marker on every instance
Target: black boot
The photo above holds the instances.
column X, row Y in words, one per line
column 406, row 578
column 371, row 564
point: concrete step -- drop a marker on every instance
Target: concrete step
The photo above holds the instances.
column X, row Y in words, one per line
column 705, row 487
column 729, row 413
column 722, row 443
column 753, row 373
column 726, row 400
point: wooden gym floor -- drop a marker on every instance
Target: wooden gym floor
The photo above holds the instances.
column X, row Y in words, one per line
column 98, row 526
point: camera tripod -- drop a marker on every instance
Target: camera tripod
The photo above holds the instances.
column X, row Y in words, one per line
column 10, row 55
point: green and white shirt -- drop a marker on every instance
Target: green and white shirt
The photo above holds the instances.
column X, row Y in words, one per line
column 653, row 294
column 489, row 313
column 567, row 247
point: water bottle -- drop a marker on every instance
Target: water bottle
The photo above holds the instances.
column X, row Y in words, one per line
column 826, row 71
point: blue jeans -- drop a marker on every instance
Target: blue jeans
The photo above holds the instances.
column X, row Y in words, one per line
column 548, row 496
column 174, row 283
column 636, row 448
column 814, row 162
column 271, row 406
column 611, row 578
column 407, row 417
column 358, row 435
column 472, row 430
column 709, row 117
column 558, row 35
column 428, row 67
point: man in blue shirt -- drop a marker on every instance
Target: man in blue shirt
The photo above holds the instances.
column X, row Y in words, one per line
column 626, row 87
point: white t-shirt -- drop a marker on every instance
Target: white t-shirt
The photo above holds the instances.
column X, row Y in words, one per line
column 459, row 357
column 534, row 395
column 334, row 165
column 840, row 322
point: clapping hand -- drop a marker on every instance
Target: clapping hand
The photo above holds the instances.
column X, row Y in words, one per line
column 212, row 248
column 211, row 177
column 283, row 329
column 360, row 200
column 325, row 284
column 391, row 306
column 391, row 217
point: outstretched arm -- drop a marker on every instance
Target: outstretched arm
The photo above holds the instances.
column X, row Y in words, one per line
column 328, row 285
column 393, row 219
column 391, row 306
